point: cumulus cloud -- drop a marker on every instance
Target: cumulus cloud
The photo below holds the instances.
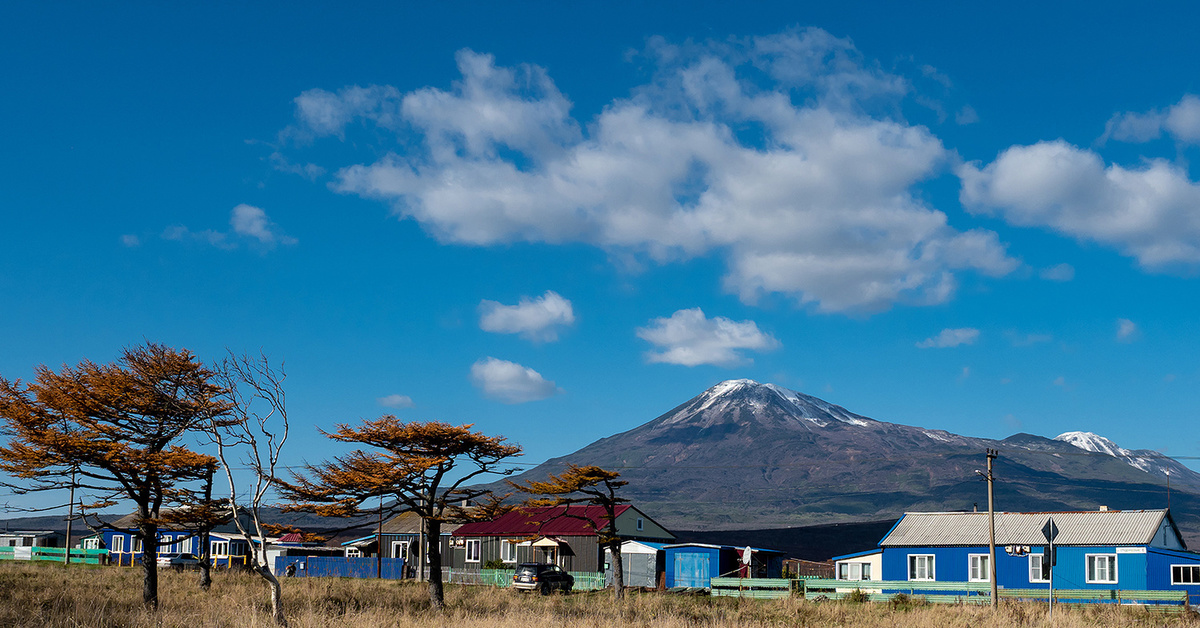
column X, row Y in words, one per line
column 817, row 201
column 1148, row 212
column 396, row 401
column 248, row 225
column 951, row 338
column 1181, row 121
column 1127, row 330
column 509, row 382
column 690, row 338
column 534, row 319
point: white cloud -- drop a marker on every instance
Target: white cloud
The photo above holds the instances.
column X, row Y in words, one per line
column 951, row 338
column 1148, row 213
column 1127, row 330
column 1026, row 340
column 689, row 338
column 396, row 401
column 1060, row 272
column 509, row 382
column 1181, row 121
column 534, row 319
column 130, row 240
column 818, row 204
column 248, row 225
column 966, row 115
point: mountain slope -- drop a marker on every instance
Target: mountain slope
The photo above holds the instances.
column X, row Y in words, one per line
column 744, row 454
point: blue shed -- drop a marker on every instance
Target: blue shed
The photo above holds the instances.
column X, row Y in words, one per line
column 694, row 565
column 1104, row 549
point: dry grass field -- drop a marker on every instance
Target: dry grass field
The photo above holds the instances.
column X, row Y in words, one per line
column 40, row 594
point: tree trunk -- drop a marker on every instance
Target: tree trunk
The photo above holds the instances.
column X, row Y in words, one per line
column 205, row 561
column 618, row 565
column 276, row 596
column 149, row 534
column 437, row 595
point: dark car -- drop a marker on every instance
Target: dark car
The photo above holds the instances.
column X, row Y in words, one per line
column 542, row 577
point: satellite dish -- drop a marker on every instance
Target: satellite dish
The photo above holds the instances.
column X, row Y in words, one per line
column 746, row 555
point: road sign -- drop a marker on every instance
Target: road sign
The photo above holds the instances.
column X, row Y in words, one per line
column 1050, row 531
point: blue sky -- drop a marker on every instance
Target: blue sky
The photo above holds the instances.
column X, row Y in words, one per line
column 559, row 220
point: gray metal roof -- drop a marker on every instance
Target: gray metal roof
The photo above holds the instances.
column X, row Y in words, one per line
column 1104, row 527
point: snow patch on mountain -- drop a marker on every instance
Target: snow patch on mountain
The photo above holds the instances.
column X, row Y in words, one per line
column 1095, row 443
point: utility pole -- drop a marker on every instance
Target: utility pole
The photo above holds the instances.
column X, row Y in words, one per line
column 71, row 515
column 991, row 455
column 379, row 543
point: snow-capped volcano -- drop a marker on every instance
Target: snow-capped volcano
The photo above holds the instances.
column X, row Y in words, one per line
column 1150, row 462
column 744, row 400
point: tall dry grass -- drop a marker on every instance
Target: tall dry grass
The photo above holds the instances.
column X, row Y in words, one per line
column 43, row 594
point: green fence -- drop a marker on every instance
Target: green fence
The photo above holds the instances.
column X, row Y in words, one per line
column 84, row 556
column 584, row 580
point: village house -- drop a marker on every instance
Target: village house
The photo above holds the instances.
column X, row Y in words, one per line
column 226, row 545
column 1104, row 549
column 402, row 535
column 562, row 535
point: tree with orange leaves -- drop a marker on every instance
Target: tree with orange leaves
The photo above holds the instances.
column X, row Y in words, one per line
column 118, row 426
column 426, row 468
column 590, row 486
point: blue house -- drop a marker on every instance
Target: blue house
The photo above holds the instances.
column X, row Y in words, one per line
column 226, row 545
column 1104, row 549
column 694, row 565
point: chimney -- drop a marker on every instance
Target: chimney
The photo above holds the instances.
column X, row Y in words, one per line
column 1104, row 509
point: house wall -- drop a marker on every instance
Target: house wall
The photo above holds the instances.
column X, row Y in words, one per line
column 627, row 527
column 874, row 560
column 951, row 564
column 1158, row 571
column 584, row 555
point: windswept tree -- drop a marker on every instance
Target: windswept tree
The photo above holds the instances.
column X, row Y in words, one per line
column 120, row 426
column 425, row 468
column 257, row 399
column 586, row 486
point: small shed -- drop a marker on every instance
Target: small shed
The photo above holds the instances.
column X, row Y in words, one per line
column 641, row 563
column 859, row 566
column 694, row 565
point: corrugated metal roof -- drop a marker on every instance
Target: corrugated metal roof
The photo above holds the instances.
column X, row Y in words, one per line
column 530, row 522
column 1104, row 527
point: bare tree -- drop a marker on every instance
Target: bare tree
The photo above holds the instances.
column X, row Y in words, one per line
column 257, row 398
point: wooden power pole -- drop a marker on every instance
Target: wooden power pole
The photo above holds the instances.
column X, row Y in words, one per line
column 991, row 455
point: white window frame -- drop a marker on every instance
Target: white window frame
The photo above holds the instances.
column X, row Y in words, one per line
column 402, row 551
column 930, row 567
column 353, row 552
column 118, row 544
column 219, row 548
column 474, row 548
column 1193, row 568
column 1092, row 560
column 137, row 544
column 854, row 571
column 1035, row 573
column 92, row 543
column 978, row 569
column 508, row 551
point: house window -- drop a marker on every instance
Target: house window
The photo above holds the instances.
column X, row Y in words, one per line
column 920, row 567
column 473, row 550
column 1102, row 568
column 640, row 524
column 400, row 549
column 220, row 548
column 137, row 544
column 854, row 571
column 1036, row 570
column 92, row 543
column 1185, row 574
column 353, row 552
column 508, row 551
column 118, row 544
column 978, row 568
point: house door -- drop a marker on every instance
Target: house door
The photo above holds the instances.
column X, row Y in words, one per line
column 691, row 570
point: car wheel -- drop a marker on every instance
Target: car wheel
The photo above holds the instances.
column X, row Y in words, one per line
column 545, row 588
column 566, row 590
